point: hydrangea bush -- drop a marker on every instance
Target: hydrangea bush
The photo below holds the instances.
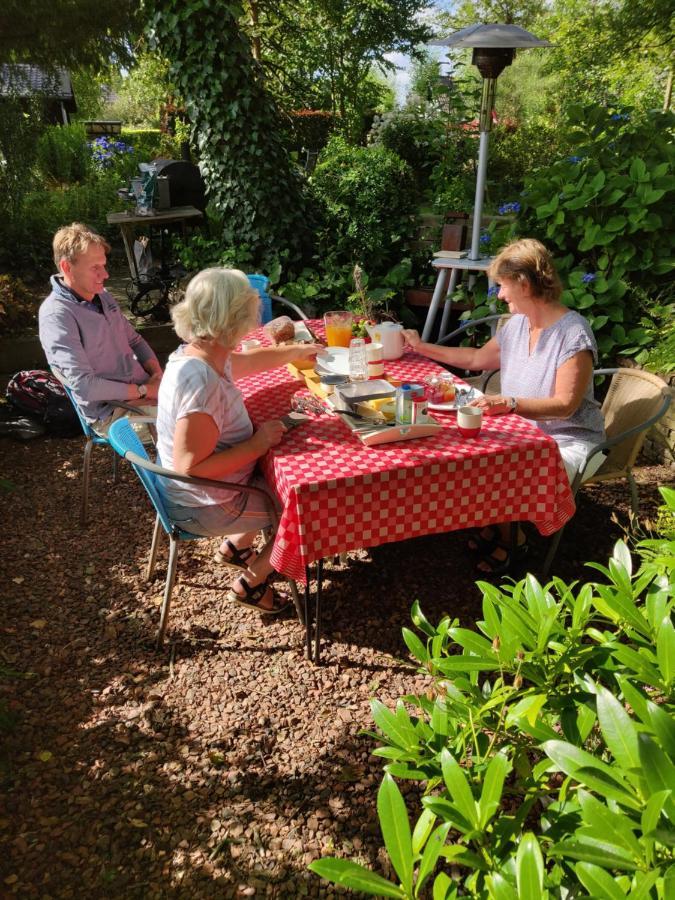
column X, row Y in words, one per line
column 106, row 152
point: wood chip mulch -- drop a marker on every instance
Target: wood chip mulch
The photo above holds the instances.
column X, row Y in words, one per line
column 225, row 763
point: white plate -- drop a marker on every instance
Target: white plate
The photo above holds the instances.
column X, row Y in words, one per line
column 468, row 395
column 333, row 361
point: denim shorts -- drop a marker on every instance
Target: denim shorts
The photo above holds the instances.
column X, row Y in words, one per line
column 249, row 512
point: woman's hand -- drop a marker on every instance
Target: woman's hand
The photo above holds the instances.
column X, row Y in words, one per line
column 492, row 405
column 412, row 338
column 269, row 434
column 302, row 351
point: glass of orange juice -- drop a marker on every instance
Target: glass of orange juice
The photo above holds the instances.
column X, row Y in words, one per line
column 338, row 328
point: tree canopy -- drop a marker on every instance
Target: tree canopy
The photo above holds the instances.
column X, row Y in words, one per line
column 72, row 33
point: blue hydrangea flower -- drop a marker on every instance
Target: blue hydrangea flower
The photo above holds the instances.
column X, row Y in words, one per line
column 485, row 237
column 493, row 291
column 509, row 208
column 588, row 277
column 574, row 159
column 620, row 117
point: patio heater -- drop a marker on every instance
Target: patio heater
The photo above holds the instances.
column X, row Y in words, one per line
column 494, row 47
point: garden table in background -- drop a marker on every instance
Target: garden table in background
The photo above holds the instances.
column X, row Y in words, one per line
column 339, row 495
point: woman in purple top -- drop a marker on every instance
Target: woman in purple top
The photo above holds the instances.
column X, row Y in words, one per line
column 546, row 354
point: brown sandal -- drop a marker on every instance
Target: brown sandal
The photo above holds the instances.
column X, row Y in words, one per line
column 254, row 595
column 238, row 559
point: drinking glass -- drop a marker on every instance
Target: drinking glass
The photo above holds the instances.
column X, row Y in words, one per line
column 338, row 328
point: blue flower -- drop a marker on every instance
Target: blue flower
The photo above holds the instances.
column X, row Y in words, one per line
column 485, row 237
column 574, row 159
column 588, row 277
column 493, row 291
column 509, row 208
column 620, row 117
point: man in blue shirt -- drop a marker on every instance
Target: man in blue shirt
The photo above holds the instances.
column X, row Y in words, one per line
column 86, row 337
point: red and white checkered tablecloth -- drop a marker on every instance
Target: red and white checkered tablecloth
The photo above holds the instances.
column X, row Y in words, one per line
column 340, row 495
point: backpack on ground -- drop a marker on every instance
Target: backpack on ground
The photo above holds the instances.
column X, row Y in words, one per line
column 40, row 396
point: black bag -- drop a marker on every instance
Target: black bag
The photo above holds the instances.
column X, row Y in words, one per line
column 41, row 397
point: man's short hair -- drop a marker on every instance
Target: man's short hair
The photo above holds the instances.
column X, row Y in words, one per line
column 73, row 240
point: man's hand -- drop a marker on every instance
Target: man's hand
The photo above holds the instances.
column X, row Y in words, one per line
column 412, row 338
column 269, row 435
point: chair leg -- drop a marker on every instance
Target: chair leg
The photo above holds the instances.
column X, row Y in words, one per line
column 154, row 547
column 634, row 498
column 296, row 601
column 552, row 549
column 86, row 468
column 168, row 588
column 115, row 469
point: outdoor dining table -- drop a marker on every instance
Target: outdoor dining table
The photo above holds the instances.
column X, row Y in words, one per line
column 338, row 494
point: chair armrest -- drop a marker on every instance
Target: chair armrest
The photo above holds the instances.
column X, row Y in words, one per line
column 137, row 460
column 296, row 309
column 465, row 326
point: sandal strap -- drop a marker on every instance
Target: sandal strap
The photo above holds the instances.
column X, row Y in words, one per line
column 253, row 595
column 237, row 556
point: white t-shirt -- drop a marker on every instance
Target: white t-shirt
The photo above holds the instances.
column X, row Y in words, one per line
column 525, row 374
column 190, row 385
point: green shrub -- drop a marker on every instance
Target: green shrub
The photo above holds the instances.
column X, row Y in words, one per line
column 311, row 128
column 151, row 143
column 25, row 241
column 608, row 213
column 517, row 153
column 545, row 743
column 369, row 200
column 63, row 154
column 18, row 307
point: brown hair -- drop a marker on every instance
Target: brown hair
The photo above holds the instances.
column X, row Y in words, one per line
column 528, row 260
column 73, row 240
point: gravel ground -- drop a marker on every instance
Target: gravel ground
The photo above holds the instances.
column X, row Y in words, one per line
column 223, row 765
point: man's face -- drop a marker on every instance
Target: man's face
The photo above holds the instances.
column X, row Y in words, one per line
column 87, row 273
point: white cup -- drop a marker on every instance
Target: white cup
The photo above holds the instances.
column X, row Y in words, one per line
column 375, row 360
column 249, row 345
column 469, row 421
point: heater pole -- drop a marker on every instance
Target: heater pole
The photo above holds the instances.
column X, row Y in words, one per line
column 485, row 124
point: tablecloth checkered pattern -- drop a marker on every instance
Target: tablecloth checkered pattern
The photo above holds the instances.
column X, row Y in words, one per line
column 340, row 495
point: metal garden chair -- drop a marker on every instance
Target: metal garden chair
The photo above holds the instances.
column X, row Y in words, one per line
column 491, row 378
column 261, row 284
column 634, row 402
column 92, row 440
column 127, row 444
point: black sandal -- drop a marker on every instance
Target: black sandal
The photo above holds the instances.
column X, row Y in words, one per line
column 502, row 566
column 238, row 559
column 254, row 595
column 479, row 544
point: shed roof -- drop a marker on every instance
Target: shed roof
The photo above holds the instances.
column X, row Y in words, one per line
column 25, row 80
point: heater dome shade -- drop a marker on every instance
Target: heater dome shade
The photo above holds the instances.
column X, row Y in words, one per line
column 491, row 36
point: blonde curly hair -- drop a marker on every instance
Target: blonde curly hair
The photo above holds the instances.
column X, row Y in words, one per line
column 529, row 261
column 219, row 304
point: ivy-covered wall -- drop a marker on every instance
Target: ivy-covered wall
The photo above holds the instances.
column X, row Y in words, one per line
column 255, row 189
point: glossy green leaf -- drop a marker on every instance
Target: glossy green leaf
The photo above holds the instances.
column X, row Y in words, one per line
column 598, row 882
column 423, row 828
column 617, row 729
column 652, row 811
column 356, row 877
column 500, row 888
column 420, row 620
column 415, row 645
column 472, row 642
column 602, row 853
column 663, row 725
column 657, row 767
column 493, row 784
column 444, row 888
column 395, row 828
column 391, row 726
column 529, row 868
column 458, row 787
column 431, row 853
column 665, row 650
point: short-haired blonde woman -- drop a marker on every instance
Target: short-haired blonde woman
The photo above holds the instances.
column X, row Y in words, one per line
column 546, row 354
column 203, row 428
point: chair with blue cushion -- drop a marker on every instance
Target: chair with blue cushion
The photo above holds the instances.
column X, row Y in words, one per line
column 261, row 285
column 92, row 440
column 127, row 444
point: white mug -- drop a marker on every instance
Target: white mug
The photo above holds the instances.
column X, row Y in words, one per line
column 469, row 421
column 390, row 335
column 375, row 360
column 251, row 344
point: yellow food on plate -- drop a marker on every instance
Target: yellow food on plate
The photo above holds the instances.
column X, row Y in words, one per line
column 385, row 407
